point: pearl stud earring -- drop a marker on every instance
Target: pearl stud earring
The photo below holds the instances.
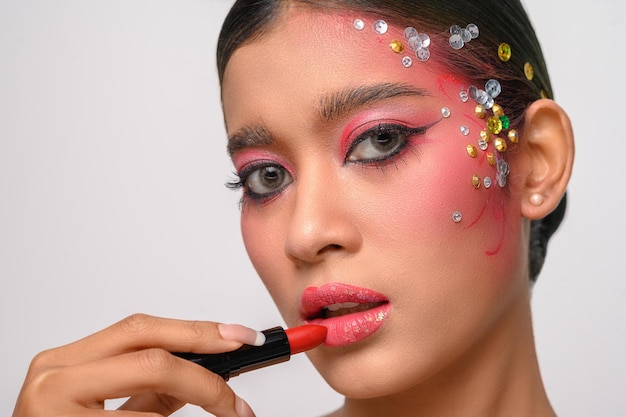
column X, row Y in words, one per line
column 536, row 199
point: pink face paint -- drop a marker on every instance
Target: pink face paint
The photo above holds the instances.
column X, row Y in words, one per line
column 246, row 157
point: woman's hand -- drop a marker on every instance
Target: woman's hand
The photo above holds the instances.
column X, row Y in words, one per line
column 131, row 359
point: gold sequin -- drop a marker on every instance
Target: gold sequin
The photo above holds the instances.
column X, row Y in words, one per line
column 513, row 136
column 480, row 111
column 396, row 46
column 485, row 135
column 471, row 151
column 544, row 94
column 476, row 181
column 504, row 51
column 529, row 71
column 497, row 110
column 500, row 144
column 494, row 124
column 491, row 159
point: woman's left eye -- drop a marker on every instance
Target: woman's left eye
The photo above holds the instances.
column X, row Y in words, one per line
column 380, row 143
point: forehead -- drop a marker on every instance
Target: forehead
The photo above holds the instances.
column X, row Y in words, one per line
column 309, row 53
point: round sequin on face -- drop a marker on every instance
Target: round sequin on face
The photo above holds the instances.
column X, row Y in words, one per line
column 455, row 30
column 483, row 144
column 456, row 42
column 473, row 92
column 480, row 111
column 506, row 123
column 490, row 102
column 396, row 46
column 513, row 136
column 425, row 39
column 494, row 124
column 423, row 54
column 359, row 24
column 464, row 130
column 409, row 32
column 473, row 30
column 407, row 61
column 485, row 135
column 503, row 167
column 493, row 88
column 415, row 42
column 529, row 71
column 501, row 180
column 466, row 35
column 464, row 96
column 445, row 112
column 457, row 217
column 502, row 171
column 381, row 27
column 491, row 159
column 482, row 97
column 487, row 182
column 500, row 144
column 504, row 52
column 471, row 151
column 476, row 181
column 497, row 110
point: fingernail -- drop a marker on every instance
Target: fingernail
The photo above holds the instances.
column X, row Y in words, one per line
column 239, row 333
column 243, row 409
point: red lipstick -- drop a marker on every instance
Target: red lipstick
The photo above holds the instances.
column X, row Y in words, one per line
column 279, row 345
column 350, row 313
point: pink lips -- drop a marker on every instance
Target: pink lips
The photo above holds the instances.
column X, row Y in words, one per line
column 353, row 326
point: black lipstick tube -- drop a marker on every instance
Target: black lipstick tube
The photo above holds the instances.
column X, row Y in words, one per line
column 276, row 349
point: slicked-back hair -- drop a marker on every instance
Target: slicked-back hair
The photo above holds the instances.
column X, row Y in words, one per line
column 498, row 21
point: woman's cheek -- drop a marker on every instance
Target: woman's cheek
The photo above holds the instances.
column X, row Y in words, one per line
column 437, row 206
column 264, row 241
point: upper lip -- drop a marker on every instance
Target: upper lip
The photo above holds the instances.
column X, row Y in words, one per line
column 317, row 299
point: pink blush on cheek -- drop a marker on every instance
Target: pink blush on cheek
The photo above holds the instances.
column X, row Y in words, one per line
column 484, row 210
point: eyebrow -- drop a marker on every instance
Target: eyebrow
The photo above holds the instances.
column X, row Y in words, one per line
column 247, row 137
column 331, row 107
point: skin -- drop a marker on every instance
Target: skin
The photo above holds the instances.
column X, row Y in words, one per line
column 458, row 340
column 131, row 359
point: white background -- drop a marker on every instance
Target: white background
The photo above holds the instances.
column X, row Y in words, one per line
column 112, row 164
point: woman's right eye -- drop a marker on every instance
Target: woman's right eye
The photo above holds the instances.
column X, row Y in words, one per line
column 264, row 180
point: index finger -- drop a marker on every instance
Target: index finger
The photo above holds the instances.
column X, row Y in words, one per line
column 140, row 331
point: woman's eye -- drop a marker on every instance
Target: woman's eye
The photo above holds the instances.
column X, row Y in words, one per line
column 266, row 180
column 379, row 143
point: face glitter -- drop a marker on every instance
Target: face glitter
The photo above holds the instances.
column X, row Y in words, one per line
column 471, row 151
column 396, row 46
column 381, row 27
column 529, row 71
column 500, row 145
column 504, row 52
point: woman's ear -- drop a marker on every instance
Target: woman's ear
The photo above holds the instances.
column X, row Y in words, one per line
column 548, row 157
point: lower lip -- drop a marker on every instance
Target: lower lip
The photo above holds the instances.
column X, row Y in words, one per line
column 354, row 327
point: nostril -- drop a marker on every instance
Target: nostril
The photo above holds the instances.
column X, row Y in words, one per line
column 331, row 247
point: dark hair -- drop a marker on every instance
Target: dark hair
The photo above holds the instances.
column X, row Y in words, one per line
column 498, row 21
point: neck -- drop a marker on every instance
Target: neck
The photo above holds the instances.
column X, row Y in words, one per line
column 497, row 377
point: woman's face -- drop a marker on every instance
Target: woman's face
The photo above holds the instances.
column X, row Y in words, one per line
column 351, row 176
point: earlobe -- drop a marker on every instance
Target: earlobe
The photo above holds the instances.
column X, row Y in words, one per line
column 548, row 158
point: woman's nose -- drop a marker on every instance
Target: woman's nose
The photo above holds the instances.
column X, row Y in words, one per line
column 323, row 221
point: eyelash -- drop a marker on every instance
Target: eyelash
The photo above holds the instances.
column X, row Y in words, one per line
column 241, row 177
column 381, row 129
